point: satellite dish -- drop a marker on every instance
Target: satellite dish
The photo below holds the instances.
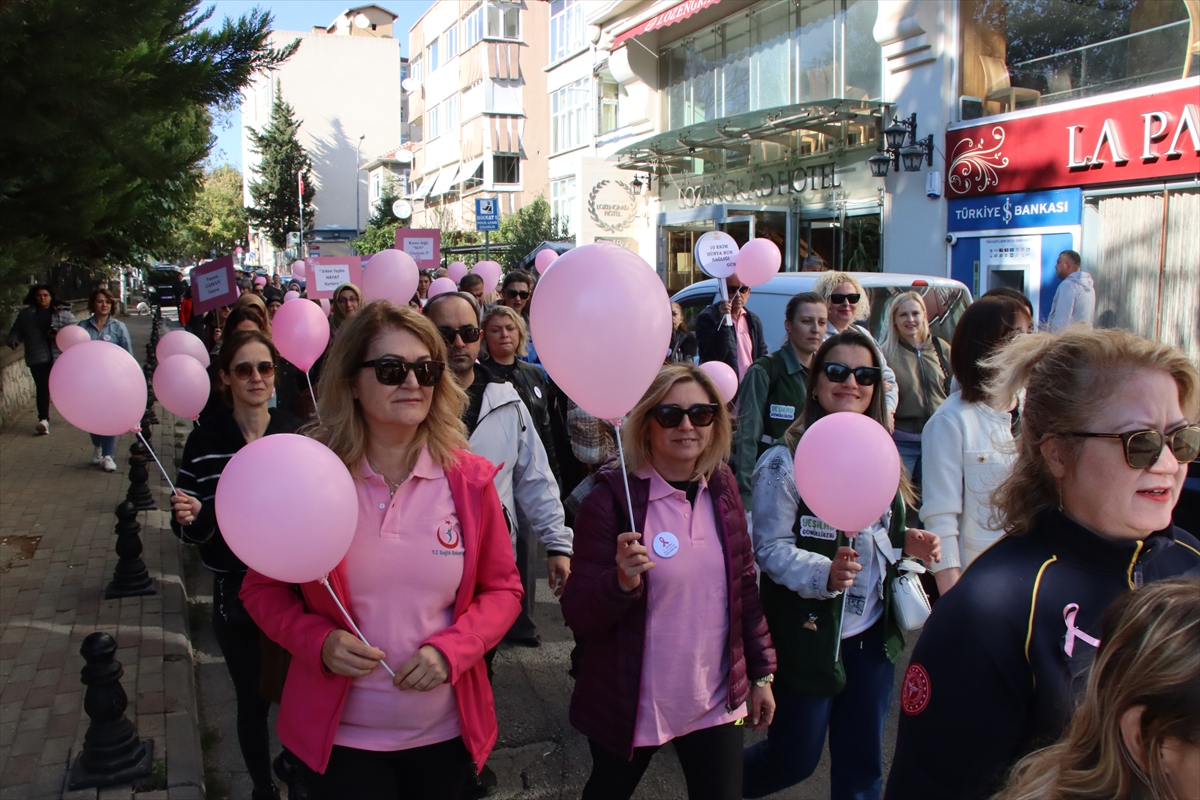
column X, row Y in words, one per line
column 402, row 209
column 342, row 24
column 361, row 21
column 404, row 156
column 410, row 84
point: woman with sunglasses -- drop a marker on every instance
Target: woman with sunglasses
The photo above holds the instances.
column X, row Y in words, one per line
column 967, row 442
column 246, row 370
column 346, row 300
column 676, row 647
column 429, row 579
column 1107, row 426
column 816, row 587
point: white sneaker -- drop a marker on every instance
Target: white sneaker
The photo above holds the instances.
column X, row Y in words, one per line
column 109, row 464
column 43, row 427
column 97, row 455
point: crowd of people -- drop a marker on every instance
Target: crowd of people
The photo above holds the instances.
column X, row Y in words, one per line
column 1040, row 472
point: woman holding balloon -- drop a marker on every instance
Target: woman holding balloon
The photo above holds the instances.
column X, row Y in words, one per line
column 101, row 325
column 246, row 369
column 429, row 579
column 828, row 600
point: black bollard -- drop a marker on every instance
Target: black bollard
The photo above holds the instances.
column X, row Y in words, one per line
column 112, row 752
column 149, row 418
column 130, row 578
column 139, row 477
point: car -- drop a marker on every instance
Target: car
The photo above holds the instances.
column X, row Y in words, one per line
column 945, row 299
column 164, row 285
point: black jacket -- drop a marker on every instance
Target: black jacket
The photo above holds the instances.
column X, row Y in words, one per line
column 208, row 450
column 991, row 678
column 530, row 383
column 718, row 342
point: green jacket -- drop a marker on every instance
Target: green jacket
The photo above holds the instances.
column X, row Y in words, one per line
column 770, row 399
column 805, row 655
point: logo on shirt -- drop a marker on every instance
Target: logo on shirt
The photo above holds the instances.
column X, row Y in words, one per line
column 814, row 528
column 782, row 412
column 914, row 697
column 448, row 535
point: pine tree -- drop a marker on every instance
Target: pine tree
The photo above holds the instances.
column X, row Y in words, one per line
column 276, row 194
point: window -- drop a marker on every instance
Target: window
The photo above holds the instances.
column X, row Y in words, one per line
column 449, row 113
column 449, row 43
column 472, row 26
column 609, row 91
column 566, row 28
column 435, row 121
column 568, row 116
column 416, row 69
column 562, row 199
column 503, row 21
column 415, row 130
column 506, row 169
column 1024, row 53
column 475, row 180
column 376, row 186
column 434, row 55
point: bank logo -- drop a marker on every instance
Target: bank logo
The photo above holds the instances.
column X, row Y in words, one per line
column 1007, row 210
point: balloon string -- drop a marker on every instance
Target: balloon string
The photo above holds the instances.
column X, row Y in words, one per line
column 346, row 614
column 167, row 477
column 624, row 473
column 316, row 411
column 842, row 619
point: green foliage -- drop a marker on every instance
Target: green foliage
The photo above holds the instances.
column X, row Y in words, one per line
column 276, row 194
column 109, row 122
column 381, row 227
column 217, row 220
column 527, row 228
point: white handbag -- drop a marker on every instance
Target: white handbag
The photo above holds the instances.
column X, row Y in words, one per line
column 909, row 600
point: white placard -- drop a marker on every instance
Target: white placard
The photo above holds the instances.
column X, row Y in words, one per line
column 420, row 249
column 213, row 284
column 327, row 277
column 716, row 254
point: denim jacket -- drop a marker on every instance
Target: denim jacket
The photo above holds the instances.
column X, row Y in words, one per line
column 113, row 331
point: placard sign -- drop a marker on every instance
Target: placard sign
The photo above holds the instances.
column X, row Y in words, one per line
column 326, row 274
column 716, row 255
column 214, row 284
column 423, row 245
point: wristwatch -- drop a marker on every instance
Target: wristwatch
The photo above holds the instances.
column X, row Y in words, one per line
column 765, row 681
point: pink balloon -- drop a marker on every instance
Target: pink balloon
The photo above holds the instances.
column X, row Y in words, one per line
column 724, row 377
column 326, row 306
column 610, row 289
column 456, row 271
column 99, row 388
column 390, row 275
column 758, row 261
column 185, row 342
column 260, row 281
column 182, row 385
column 299, row 270
column 490, row 272
column 835, row 449
column 304, row 538
column 290, row 296
column 543, row 260
column 71, row 335
column 441, row 286
column 301, row 332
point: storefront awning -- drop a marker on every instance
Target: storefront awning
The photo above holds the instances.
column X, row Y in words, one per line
column 467, row 170
column 795, row 130
column 445, row 180
column 423, row 190
column 676, row 13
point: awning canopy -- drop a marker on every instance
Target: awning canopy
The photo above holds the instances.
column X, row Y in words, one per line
column 423, row 190
column 676, row 13
column 467, row 170
column 444, row 181
column 794, row 130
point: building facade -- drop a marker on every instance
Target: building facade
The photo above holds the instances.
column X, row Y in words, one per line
column 344, row 85
column 476, row 97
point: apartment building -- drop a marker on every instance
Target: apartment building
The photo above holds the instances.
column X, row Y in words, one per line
column 477, row 103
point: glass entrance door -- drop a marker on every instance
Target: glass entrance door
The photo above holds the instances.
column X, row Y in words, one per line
column 852, row 244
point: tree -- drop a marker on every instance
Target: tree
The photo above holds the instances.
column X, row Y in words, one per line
column 276, row 194
column 381, row 227
column 217, row 219
column 527, row 228
column 113, row 101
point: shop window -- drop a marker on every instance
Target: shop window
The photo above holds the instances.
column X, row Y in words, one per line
column 506, row 169
column 568, row 116
column 1022, row 53
column 566, row 28
column 562, row 199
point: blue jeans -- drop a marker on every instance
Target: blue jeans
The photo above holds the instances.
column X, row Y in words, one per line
column 854, row 719
column 107, row 444
column 910, row 455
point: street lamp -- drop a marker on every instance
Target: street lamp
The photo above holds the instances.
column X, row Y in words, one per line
column 636, row 184
column 357, row 200
column 894, row 152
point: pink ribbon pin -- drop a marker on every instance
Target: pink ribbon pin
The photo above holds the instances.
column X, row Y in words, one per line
column 1074, row 633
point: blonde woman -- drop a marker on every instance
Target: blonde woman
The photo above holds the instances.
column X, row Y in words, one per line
column 921, row 363
column 1107, row 427
column 849, row 305
column 429, row 578
column 1137, row 732
column 677, row 649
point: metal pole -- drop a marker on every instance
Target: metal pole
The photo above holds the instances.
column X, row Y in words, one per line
column 487, row 246
column 300, row 186
column 357, row 200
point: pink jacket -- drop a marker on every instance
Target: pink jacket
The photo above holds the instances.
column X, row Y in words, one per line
column 487, row 604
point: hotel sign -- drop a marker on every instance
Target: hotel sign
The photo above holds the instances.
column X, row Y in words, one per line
column 714, row 190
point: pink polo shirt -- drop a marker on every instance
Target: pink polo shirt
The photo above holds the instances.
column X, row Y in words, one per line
column 745, row 344
column 404, row 568
column 685, row 664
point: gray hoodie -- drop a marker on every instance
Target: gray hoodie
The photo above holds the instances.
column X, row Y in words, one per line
column 1075, row 301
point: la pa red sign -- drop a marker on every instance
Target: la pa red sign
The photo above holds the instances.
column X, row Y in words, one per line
column 1148, row 137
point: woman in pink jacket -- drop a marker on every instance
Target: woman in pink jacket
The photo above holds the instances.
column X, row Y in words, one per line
column 429, row 579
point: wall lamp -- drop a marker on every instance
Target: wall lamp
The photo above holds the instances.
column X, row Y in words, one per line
column 895, row 152
column 636, row 184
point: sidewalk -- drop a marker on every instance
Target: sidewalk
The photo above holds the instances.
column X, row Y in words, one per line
column 56, row 556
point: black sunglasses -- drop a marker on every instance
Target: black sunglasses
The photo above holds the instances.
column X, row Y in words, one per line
column 701, row 415
column 838, row 299
column 393, row 372
column 1142, row 448
column 743, row 289
column 244, row 370
column 513, row 294
column 838, row 373
column 468, row 333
